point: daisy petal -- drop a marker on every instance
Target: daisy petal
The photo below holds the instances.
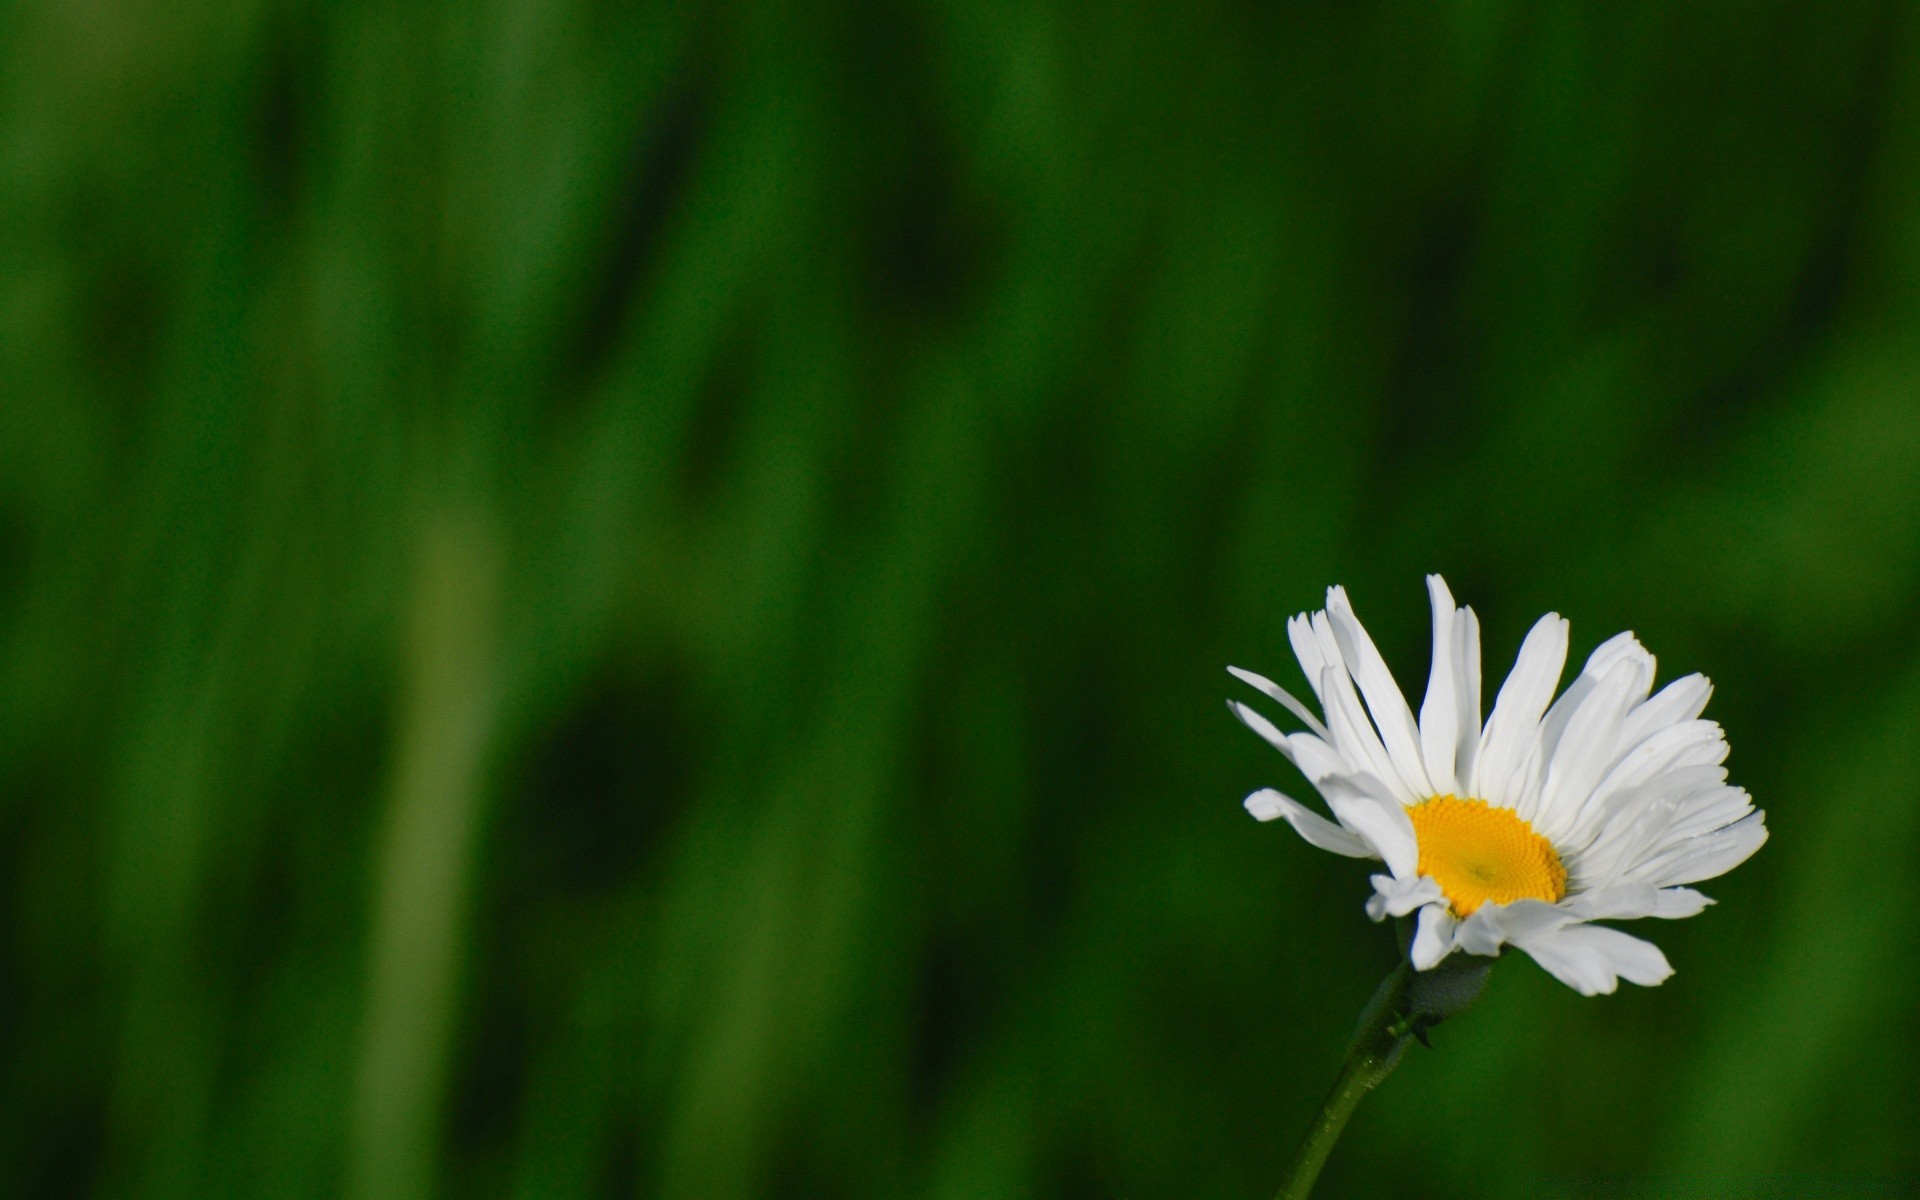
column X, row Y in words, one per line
column 1398, row 897
column 1466, row 675
column 1512, row 731
column 1385, row 702
column 1689, row 744
column 1621, row 647
column 1260, row 725
column 1526, row 918
column 1307, row 648
column 1682, row 700
column 1276, row 692
column 1592, row 959
column 1480, row 933
column 1635, row 960
column 1677, row 903
column 1432, row 938
column 1440, row 712
column 1267, row 804
column 1589, row 745
column 1315, row 758
column 1354, row 736
column 1635, row 900
column 1706, row 856
column 1364, row 805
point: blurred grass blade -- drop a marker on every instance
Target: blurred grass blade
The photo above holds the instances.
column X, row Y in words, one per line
column 423, row 863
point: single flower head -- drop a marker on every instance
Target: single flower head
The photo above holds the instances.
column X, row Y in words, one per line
column 1523, row 830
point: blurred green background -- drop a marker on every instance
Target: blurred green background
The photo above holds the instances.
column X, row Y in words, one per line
column 631, row 601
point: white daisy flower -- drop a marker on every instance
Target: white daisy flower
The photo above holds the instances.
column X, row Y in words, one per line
column 1596, row 806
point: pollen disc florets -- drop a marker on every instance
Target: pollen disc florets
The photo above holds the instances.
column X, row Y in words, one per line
column 1478, row 853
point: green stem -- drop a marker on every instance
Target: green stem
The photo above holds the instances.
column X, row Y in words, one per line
column 1377, row 1045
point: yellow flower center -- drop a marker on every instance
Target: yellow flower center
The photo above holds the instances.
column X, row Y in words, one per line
column 1478, row 853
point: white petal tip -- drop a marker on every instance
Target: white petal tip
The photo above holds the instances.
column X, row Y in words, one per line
column 1265, row 805
column 1253, row 679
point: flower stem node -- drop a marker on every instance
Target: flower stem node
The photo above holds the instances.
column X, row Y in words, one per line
column 1404, row 1007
